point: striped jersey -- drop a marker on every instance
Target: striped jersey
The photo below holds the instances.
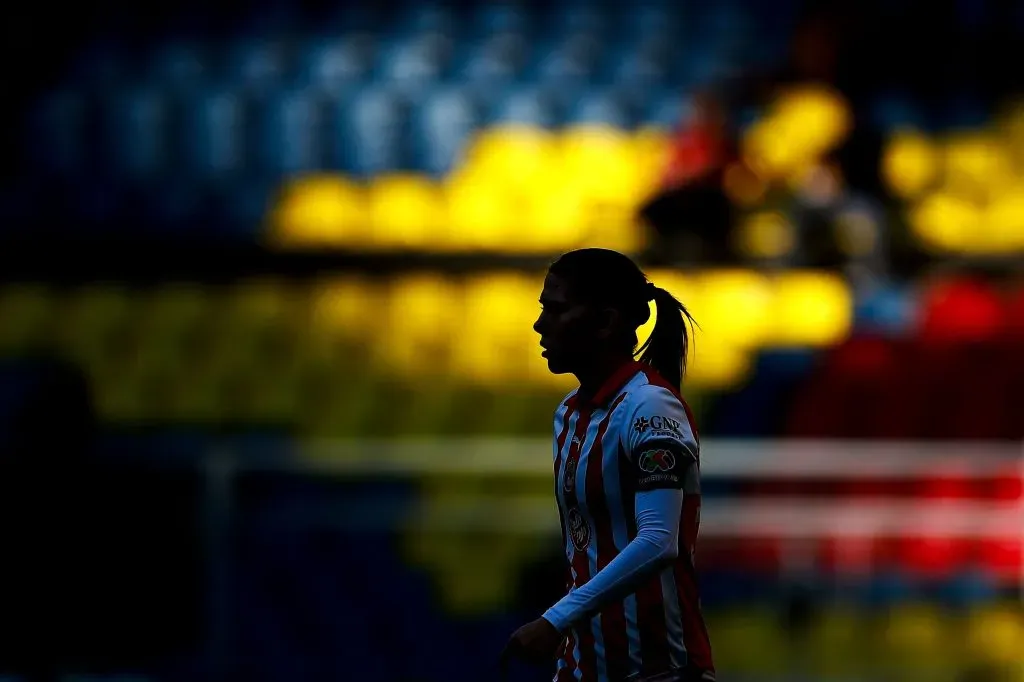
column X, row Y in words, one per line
column 635, row 434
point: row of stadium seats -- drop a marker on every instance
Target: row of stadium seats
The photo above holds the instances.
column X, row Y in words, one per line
column 223, row 135
column 281, row 351
column 894, row 389
column 277, row 350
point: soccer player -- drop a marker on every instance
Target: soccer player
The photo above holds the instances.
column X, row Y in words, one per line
column 626, row 463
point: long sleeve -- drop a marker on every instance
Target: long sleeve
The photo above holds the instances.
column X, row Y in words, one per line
column 656, row 542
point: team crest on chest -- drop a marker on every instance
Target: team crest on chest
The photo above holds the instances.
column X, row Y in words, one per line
column 579, row 530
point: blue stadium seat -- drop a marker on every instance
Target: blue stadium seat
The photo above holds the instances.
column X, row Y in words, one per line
column 337, row 65
column 441, row 128
column 603, row 108
column 243, row 207
column 426, row 17
column 528, row 106
column 57, row 133
column 137, row 126
column 492, row 65
column 573, row 18
column 889, row 310
column 412, row 67
column 570, row 65
column 292, row 132
column 638, row 76
column 216, row 126
column 369, row 132
column 667, row 110
column 257, row 65
column 499, row 18
column 180, row 66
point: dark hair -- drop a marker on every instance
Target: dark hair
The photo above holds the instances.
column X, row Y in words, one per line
column 611, row 279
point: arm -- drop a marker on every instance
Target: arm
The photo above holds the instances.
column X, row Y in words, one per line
column 662, row 465
column 655, row 545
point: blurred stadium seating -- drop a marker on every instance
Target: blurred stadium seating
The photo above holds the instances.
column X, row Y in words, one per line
column 369, row 440
column 463, row 116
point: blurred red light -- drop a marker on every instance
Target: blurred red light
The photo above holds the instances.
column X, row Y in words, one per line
column 961, row 311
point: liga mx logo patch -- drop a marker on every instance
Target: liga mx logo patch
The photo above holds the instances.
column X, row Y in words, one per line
column 657, row 461
column 579, row 530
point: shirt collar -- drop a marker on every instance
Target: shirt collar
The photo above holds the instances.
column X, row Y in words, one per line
column 612, row 385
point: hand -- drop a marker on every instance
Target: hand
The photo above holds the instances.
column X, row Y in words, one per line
column 536, row 642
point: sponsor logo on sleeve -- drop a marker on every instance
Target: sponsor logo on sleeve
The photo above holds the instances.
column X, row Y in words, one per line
column 659, row 425
column 658, row 466
column 657, row 461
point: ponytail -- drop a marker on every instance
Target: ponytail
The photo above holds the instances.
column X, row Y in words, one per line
column 666, row 348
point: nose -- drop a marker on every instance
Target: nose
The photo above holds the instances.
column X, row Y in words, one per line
column 537, row 326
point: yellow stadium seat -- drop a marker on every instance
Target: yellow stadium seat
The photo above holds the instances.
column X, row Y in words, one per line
column 765, row 234
column 736, row 307
column 259, row 324
column 748, row 642
column 995, row 634
column 320, row 211
column 944, row 222
column 810, row 309
column 482, row 212
column 511, row 156
column 346, row 310
column 801, row 125
column 918, row 641
column 910, row 164
column 28, row 317
column 976, row 165
column 651, row 148
column 1004, row 221
column 406, row 212
column 424, row 313
column 500, row 309
column 93, row 323
column 603, row 161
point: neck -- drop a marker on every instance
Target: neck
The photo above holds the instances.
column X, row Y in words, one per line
column 594, row 376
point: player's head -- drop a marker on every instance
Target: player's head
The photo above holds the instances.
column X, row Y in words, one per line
column 592, row 304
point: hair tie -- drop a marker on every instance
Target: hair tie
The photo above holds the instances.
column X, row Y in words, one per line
column 650, row 290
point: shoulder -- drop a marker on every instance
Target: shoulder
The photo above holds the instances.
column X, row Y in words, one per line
column 644, row 395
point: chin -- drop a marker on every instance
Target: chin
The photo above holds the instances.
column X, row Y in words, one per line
column 556, row 367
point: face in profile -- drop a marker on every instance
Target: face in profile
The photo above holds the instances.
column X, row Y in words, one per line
column 567, row 336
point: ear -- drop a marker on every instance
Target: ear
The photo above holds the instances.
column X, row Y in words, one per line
column 608, row 321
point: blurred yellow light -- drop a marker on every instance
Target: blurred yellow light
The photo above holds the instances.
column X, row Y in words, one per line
column 406, row 211
column 736, row 307
column 716, row 365
column 802, row 124
column 945, row 222
column 976, row 164
column 996, row 634
column 602, row 162
column 818, row 116
column 423, row 314
column 1004, row 220
column 910, row 164
column 551, row 216
column 511, row 155
column 481, row 212
column 26, row 313
column 768, row 150
column 321, row 210
column 765, row 234
column 347, row 308
column 500, row 309
column 810, row 309
column 652, row 147
column 742, row 185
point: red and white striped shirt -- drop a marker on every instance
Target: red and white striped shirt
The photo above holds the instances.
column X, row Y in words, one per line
column 614, row 455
